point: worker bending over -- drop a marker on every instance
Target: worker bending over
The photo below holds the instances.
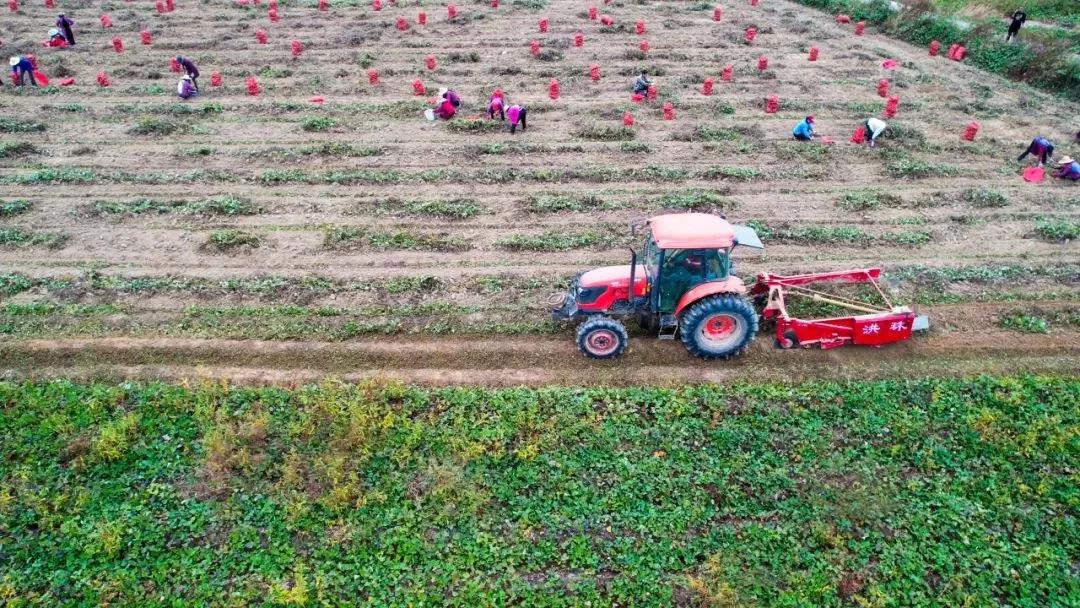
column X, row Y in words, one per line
column 190, row 69
column 515, row 114
column 447, row 105
column 497, row 105
column 21, row 68
column 1042, row 148
column 874, row 128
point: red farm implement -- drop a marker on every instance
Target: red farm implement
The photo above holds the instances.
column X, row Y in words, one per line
column 870, row 325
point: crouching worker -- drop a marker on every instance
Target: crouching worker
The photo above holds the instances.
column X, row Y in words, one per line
column 1041, row 148
column 642, row 84
column 185, row 89
column 56, row 38
column 447, row 105
column 874, row 128
column 1068, row 169
column 497, row 105
column 517, row 114
column 21, row 68
column 804, row 131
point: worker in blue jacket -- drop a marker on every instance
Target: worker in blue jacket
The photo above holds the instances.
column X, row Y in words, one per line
column 804, row 131
column 21, row 68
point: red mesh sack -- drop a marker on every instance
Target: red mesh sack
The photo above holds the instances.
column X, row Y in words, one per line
column 717, row 13
column 593, row 12
column 639, row 27
column 707, row 87
column 669, row 111
column 418, row 88
column 297, row 48
column 579, row 39
column 859, row 136
column 373, row 77
column 543, row 25
column 260, row 35
column 253, row 86
column 401, row 24
column 934, row 47
column 813, row 53
column 215, row 79
column 859, row 27
column 102, row 79
column 534, row 47
column 644, row 46
column 118, row 44
column 725, row 73
column 883, row 88
column 627, row 119
column 553, row 89
column 430, row 62
column 145, row 38
column 772, row 104
column 594, row 72
column 421, row 18
column 971, row 130
column 451, row 11
column 106, row 21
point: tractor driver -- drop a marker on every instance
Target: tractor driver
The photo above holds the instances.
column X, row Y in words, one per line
column 683, row 269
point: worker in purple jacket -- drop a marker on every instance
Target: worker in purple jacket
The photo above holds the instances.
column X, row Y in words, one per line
column 1041, row 147
column 64, row 25
column 190, row 69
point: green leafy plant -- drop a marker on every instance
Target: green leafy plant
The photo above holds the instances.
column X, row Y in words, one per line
column 230, row 239
column 318, row 124
column 605, row 133
column 1057, row 230
column 14, row 207
column 868, row 199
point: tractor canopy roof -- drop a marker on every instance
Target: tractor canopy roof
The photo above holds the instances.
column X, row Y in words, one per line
column 691, row 231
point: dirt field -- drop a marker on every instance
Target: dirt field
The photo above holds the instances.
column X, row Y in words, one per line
column 390, row 246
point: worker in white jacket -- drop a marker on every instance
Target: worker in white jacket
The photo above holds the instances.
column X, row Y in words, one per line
column 874, row 127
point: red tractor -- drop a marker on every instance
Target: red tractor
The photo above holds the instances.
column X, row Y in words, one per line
column 685, row 287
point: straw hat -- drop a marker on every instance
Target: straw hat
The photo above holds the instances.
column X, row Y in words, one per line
column 185, row 77
column 1066, row 160
column 54, row 32
column 14, row 61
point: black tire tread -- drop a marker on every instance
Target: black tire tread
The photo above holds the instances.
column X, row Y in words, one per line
column 602, row 323
column 731, row 303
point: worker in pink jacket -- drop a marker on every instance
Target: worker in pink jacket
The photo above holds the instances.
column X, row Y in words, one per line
column 515, row 114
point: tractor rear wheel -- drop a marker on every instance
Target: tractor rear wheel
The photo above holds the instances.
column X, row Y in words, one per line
column 602, row 338
column 719, row 327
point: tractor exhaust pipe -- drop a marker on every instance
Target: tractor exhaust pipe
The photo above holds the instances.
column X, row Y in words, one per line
column 633, row 269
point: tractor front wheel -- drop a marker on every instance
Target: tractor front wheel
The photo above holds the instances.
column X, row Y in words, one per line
column 602, row 338
column 719, row 327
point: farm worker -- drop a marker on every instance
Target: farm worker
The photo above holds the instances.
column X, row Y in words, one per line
column 191, row 69
column 64, row 25
column 875, row 127
column 1068, row 169
column 447, row 105
column 1042, row 148
column 21, row 67
column 56, row 38
column 804, row 131
column 642, row 84
column 185, row 88
column 515, row 114
column 497, row 104
column 1018, row 19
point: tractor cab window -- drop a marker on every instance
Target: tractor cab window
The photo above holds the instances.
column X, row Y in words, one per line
column 652, row 258
column 684, row 269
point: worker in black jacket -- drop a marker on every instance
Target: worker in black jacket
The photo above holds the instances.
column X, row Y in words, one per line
column 1018, row 19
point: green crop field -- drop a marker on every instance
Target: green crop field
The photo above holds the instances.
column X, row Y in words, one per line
column 891, row 493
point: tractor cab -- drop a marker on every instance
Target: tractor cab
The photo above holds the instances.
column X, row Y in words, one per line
column 686, row 261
